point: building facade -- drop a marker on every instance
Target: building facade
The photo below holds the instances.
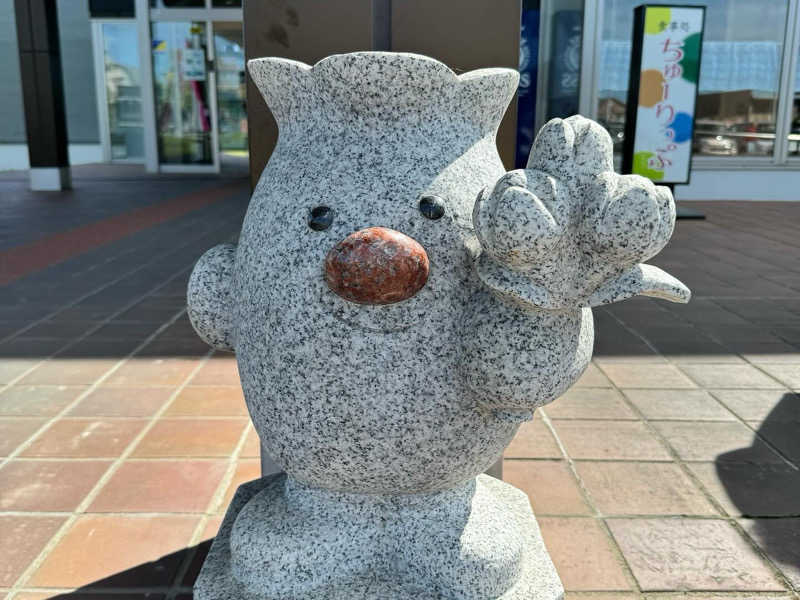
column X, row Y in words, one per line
column 575, row 58
column 162, row 82
column 158, row 82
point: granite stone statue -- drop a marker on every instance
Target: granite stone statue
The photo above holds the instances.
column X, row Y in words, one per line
column 398, row 305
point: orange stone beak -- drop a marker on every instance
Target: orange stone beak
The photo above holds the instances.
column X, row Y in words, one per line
column 376, row 266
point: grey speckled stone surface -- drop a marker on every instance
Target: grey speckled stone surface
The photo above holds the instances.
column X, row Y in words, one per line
column 568, row 232
column 412, row 399
column 433, row 546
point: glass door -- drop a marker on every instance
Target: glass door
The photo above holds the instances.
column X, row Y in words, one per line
column 119, row 90
column 183, row 83
column 231, row 81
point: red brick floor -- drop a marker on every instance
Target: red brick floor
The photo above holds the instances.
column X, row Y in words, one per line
column 670, row 470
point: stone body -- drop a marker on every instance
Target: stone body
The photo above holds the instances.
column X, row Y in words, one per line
column 398, row 305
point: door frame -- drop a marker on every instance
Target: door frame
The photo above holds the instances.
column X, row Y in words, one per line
column 145, row 16
column 101, row 95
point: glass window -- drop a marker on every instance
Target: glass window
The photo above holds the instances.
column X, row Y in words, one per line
column 794, row 127
column 561, row 57
column 180, row 79
column 558, row 55
column 739, row 74
column 123, row 90
column 528, row 73
column 231, row 83
column 99, row 9
column 177, row 3
column 226, row 3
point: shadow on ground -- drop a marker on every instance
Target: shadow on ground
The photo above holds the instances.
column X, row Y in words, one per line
column 171, row 576
column 768, row 495
column 96, row 271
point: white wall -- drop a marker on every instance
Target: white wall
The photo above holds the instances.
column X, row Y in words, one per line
column 15, row 156
column 742, row 184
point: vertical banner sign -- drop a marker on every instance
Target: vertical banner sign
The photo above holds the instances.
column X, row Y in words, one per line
column 665, row 69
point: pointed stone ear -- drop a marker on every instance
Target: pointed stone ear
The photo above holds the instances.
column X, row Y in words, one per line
column 487, row 92
column 283, row 83
column 210, row 303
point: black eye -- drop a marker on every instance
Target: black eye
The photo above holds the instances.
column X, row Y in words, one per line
column 320, row 218
column 431, row 207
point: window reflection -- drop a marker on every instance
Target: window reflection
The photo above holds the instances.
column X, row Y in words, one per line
column 739, row 74
column 550, row 42
column 180, row 81
column 231, row 92
column 794, row 128
column 177, row 3
column 123, row 90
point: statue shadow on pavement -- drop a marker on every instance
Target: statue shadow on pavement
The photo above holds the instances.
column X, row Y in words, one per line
column 767, row 492
column 172, row 574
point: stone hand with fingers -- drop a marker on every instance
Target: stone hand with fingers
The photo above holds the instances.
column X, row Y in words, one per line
column 563, row 235
column 567, row 231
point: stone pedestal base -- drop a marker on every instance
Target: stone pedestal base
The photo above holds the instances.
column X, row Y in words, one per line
column 282, row 540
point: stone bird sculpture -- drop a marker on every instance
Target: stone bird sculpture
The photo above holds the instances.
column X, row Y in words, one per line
column 398, row 304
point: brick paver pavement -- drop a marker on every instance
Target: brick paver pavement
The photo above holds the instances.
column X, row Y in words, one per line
column 670, row 470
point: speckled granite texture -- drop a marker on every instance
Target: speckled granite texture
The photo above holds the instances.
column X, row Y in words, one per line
column 305, row 558
column 568, row 232
column 419, row 394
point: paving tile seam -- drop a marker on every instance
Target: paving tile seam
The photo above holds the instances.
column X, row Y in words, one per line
column 126, row 275
column 125, row 419
column 94, row 492
column 214, row 504
column 723, row 241
column 749, row 425
column 782, row 578
column 48, row 547
column 587, row 498
column 757, row 435
column 147, row 459
column 90, row 388
column 557, row 422
column 668, row 447
column 662, row 461
column 760, row 366
column 112, row 458
column 636, row 420
column 689, row 376
column 101, row 590
column 105, row 321
column 633, row 332
column 57, row 247
column 776, row 571
column 125, row 385
column 677, row 595
column 653, row 347
column 105, row 513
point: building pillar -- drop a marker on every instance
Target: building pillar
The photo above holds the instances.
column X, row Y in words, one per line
column 464, row 34
column 43, row 93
